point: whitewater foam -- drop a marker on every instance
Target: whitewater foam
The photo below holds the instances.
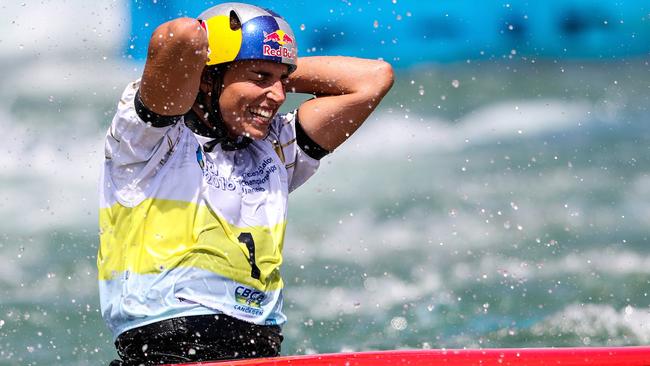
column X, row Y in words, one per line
column 393, row 132
column 601, row 321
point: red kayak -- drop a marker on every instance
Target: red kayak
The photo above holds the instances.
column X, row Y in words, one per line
column 600, row 356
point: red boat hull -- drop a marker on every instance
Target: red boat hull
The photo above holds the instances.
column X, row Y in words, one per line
column 605, row 356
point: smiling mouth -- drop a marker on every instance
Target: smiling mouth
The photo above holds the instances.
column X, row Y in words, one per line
column 262, row 114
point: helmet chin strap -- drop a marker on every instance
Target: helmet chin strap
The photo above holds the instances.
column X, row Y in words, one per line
column 217, row 128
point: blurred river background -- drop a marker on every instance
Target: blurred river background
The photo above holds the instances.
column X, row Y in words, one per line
column 499, row 196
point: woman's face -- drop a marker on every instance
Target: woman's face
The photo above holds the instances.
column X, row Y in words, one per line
column 252, row 93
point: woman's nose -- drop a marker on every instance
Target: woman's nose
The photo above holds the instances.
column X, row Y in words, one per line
column 276, row 92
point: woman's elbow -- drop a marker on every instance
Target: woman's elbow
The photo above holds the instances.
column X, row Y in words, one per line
column 182, row 37
column 384, row 77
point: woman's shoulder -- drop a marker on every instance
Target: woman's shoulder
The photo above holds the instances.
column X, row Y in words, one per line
column 282, row 126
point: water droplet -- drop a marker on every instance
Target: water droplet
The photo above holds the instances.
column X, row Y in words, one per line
column 455, row 83
column 398, row 323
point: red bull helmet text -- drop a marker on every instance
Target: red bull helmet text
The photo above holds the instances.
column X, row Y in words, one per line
column 286, row 42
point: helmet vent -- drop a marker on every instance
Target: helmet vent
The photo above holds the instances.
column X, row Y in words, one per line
column 235, row 24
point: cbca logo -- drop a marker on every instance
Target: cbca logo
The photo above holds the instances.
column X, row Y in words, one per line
column 249, row 297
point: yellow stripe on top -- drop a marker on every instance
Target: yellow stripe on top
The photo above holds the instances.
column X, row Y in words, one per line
column 158, row 235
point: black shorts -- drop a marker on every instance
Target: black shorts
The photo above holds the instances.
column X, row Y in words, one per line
column 197, row 338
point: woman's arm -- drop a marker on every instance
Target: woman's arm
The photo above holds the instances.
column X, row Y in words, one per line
column 347, row 90
column 177, row 55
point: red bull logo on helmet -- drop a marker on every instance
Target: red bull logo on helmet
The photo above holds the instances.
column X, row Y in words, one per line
column 282, row 38
column 279, row 36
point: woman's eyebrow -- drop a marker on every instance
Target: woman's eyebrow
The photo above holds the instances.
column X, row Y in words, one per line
column 263, row 73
